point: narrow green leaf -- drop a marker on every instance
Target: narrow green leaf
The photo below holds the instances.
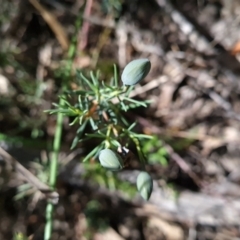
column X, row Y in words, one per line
column 92, row 153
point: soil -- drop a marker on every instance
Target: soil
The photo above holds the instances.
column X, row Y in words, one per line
column 194, row 90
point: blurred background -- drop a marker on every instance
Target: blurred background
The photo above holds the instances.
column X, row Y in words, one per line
column 194, row 117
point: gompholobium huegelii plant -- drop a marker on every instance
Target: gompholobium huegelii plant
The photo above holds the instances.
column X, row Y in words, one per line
column 101, row 105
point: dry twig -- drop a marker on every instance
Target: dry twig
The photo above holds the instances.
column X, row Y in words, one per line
column 175, row 157
column 53, row 23
column 29, row 177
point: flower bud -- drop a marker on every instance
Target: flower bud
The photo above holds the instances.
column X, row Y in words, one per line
column 144, row 185
column 110, row 160
column 135, row 71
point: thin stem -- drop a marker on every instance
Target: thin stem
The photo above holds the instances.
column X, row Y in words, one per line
column 56, row 148
column 115, row 76
column 53, row 173
column 49, row 222
column 111, row 182
column 57, row 141
column 107, row 142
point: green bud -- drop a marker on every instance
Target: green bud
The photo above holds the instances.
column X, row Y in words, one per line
column 144, row 185
column 135, row 71
column 110, row 160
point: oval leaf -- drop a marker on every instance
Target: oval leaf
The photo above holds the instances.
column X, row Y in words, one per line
column 144, row 185
column 110, row 160
column 135, row 71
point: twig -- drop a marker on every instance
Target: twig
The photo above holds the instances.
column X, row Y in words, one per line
column 218, row 99
column 145, row 88
column 175, row 157
column 122, row 29
column 197, row 40
column 100, row 22
column 29, row 177
column 204, row 43
column 53, row 24
column 83, row 36
column 122, row 39
column 154, row 83
column 183, row 165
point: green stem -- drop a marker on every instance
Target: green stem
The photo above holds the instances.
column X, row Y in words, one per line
column 53, row 173
column 49, row 222
column 58, row 133
column 56, row 148
column 111, row 182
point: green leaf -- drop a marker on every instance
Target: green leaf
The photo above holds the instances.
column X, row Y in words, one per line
column 135, row 71
column 110, row 160
column 144, row 185
column 75, row 142
column 89, row 84
column 138, row 103
column 92, row 153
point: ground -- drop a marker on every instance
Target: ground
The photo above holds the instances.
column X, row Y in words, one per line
column 194, row 117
